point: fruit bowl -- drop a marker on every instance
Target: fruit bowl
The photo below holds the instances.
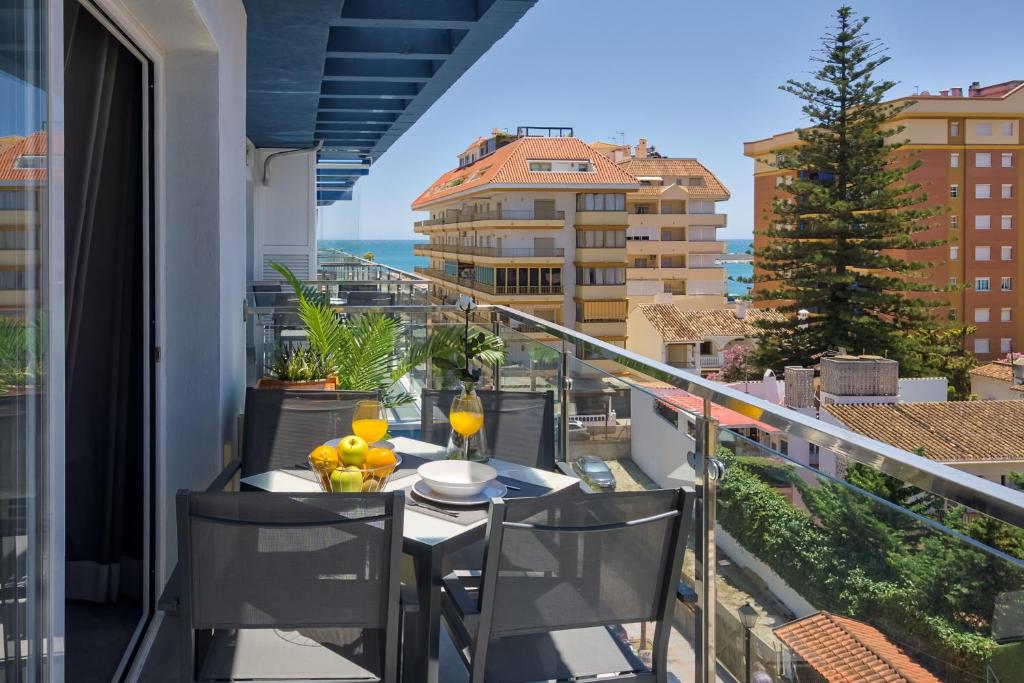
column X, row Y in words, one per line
column 457, row 478
column 359, row 470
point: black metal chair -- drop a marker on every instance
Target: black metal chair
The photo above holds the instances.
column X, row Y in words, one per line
column 290, row 586
column 519, row 426
column 282, row 427
column 559, row 574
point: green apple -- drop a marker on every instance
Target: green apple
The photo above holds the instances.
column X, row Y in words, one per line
column 347, row 480
column 353, row 450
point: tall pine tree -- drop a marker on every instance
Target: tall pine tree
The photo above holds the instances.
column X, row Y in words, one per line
column 847, row 216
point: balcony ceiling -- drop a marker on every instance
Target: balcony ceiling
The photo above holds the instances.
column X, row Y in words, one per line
column 358, row 73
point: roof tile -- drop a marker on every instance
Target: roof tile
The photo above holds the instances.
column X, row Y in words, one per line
column 676, row 325
column 843, row 649
column 712, row 187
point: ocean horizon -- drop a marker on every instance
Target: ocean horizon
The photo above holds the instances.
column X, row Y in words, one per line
column 398, row 254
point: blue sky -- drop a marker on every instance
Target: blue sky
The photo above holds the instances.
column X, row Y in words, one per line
column 694, row 78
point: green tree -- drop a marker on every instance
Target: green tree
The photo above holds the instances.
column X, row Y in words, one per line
column 943, row 352
column 837, row 237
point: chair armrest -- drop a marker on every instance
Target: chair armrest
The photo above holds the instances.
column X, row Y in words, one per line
column 686, row 594
column 460, row 597
column 222, row 480
column 170, row 598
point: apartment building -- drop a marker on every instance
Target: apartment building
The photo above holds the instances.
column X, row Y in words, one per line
column 535, row 220
column 969, row 146
column 672, row 244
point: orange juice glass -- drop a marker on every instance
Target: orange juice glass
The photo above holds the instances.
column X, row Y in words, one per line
column 369, row 421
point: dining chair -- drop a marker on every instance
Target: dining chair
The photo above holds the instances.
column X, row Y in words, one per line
column 282, row 427
column 561, row 576
column 289, row 586
column 519, row 426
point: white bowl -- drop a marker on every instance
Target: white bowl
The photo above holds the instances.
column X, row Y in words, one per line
column 457, row 478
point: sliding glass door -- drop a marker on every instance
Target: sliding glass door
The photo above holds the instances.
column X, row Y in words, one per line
column 31, row 577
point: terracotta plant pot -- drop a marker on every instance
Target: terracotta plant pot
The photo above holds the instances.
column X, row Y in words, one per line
column 328, row 384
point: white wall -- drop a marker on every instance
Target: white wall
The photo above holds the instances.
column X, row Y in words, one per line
column 656, row 446
column 284, row 221
column 989, row 389
column 923, row 389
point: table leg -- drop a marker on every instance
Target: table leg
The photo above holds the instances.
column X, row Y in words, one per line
column 426, row 651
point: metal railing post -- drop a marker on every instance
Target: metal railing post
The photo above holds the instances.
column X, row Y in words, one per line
column 707, row 471
column 565, row 383
column 496, row 329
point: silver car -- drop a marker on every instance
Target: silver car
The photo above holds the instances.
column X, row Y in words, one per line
column 594, row 471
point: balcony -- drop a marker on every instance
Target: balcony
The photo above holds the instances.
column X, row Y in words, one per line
column 489, row 252
column 506, row 218
column 677, row 220
column 495, row 290
column 616, row 406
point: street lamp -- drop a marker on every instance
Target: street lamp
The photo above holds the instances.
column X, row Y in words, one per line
column 748, row 617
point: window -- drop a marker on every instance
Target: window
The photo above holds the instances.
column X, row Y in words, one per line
column 981, row 345
column 600, row 202
column 953, row 281
column 1006, row 284
column 784, row 446
column 954, row 159
column 540, row 166
column 982, row 284
column 597, row 239
column 982, row 222
column 1006, row 253
column 982, row 253
column 981, row 315
column 1005, row 345
column 954, row 253
column 954, row 221
column 982, row 191
column 1007, row 159
column 953, row 190
column 600, row 276
column 30, row 161
column 1005, row 314
column 983, row 160
column 1007, row 127
column 814, row 455
column 954, row 129
column 983, row 129
column 1006, row 222
column 952, row 314
column 1007, row 191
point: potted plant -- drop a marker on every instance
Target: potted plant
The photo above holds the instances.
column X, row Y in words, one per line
column 362, row 353
column 299, row 369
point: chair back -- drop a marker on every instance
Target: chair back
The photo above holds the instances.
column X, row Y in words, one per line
column 281, row 427
column 519, row 426
column 290, row 560
column 574, row 562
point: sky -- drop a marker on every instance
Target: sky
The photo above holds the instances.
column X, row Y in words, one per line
column 697, row 79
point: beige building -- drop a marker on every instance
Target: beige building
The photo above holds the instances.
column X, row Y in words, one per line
column 692, row 339
column 672, row 241
column 537, row 222
column 996, row 382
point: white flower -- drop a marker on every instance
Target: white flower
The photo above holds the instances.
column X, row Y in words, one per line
column 465, row 303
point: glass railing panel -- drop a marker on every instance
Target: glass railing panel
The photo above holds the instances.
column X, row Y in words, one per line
column 826, row 564
column 379, row 292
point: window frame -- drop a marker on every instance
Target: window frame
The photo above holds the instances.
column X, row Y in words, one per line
column 986, row 156
column 983, row 284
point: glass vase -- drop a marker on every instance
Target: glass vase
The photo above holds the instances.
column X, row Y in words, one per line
column 466, row 440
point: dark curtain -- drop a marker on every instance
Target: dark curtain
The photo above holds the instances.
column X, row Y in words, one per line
column 105, row 325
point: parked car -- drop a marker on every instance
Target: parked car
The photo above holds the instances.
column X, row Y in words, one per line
column 593, row 470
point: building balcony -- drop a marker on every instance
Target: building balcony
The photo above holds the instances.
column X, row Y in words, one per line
column 506, row 218
column 494, row 290
column 605, row 329
column 608, row 218
column 488, row 252
column 602, row 255
column 677, row 220
column 658, row 247
column 598, row 292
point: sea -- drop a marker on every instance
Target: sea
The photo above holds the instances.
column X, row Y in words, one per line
column 398, row 254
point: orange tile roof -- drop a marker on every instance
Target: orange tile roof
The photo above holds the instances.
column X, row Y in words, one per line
column 713, row 188
column 947, row 431
column 726, row 417
column 509, row 165
column 844, row 650
column 1000, row 370
column 34, row 144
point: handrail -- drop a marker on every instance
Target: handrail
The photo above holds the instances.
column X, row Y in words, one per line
column 503, row 215
column 975, row 492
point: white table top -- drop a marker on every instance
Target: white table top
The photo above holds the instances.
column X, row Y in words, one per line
column 426, row 529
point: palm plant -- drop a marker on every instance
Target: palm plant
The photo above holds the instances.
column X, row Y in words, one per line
column 362, row 352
